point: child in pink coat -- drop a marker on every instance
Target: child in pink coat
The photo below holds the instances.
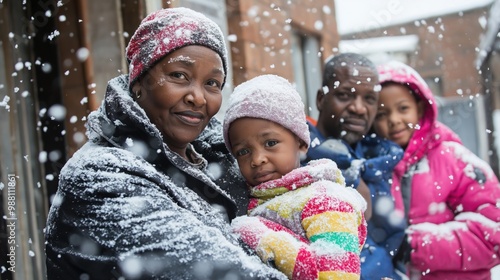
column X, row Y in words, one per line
column 450, row 197
column 302, row 220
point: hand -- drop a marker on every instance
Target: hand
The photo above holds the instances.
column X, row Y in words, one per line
column 403, row 253
column 274, row 244
column 251, row 230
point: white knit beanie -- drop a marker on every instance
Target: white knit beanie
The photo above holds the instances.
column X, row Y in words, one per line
column 268, row 97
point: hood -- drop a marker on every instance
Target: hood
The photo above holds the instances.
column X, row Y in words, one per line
column 430, row 132
column 398, row 72
column 121, row 122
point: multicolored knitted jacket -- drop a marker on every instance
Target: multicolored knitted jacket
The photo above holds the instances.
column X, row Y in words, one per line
column 307, row 223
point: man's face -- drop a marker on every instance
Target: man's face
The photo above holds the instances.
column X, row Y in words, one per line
column 348, row 106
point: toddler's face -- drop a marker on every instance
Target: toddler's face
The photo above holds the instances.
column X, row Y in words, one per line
column 265, row 150
column 398, row 114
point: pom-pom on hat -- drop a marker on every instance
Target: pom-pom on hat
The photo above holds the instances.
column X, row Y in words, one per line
column 167, row 30
column 268, row 97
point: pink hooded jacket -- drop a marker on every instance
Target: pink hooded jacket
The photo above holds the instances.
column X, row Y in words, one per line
column 454, row 210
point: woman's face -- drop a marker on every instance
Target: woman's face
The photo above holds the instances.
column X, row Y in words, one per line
column 181, row 93
column 265, row 150
column 398, row 114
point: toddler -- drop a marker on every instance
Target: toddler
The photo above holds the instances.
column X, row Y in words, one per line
column 302, row 220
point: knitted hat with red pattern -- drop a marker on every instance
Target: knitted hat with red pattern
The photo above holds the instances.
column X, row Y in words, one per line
column 167, row 30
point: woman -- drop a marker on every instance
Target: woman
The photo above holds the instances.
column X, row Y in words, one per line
column 138, row 200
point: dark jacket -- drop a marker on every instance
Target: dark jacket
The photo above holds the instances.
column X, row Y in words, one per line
column 128, row 206
column 373, row 160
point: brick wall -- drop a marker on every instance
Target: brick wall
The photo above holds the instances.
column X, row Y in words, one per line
column 446, row 49
column 264, row 31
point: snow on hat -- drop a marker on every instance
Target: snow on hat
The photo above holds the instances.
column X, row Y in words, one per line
column 268, row 97
column 167, row 30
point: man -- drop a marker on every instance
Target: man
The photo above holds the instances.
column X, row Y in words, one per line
column 347, row 104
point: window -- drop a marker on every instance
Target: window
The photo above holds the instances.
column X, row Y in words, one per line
column 307, row 70
column 435, row 85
